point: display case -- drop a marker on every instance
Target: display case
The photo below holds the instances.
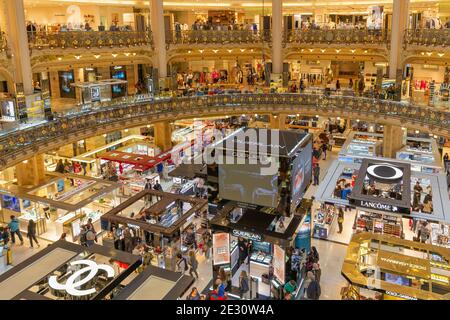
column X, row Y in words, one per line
column 440, row 235
column 378, row 223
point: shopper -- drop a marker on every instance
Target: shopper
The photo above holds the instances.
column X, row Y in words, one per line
column 317, row 271
column 182, row 265
column 313, row 291
column 207, row 245
column 242, row 247
column 316, row 174
column 290, row 286
column 90, row 236
column 314, row 255
column 59, row 166
column 340, row 219
column 83, row 240
column 428, row 203
column 4, row 235
column 193, row 264
column 244, row 287
column 91, row 227
column 194, row 295
column 446, row 156
column 13, row 226
column 63, row 236
column 216, row 293
column 128, row 240
column 31, row 230
column 346, row 191
column 324, row 147
column 338, row 85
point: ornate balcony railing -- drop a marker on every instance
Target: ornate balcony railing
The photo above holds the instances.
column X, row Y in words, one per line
column 217, row 37
column 89, row 39
column 336, row 36
column 3, row 42
column 18, row 145
column 427, row 37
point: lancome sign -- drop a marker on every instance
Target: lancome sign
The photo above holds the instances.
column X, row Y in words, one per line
column 380, row 206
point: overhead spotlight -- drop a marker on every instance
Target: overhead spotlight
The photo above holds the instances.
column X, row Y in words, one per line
column 59, row 58
column 352, row 50
column 230, row 50
column 422, row 53
column 417, row 131
column 338, row 50
column 302, row 50
column 201, row 50
column 134, row 54
column 365, row 51
column 357, row 120
column 77, row 57
column 251, row 50
column 242, row 50
column 215, row 50
column 256, row 114
column 126, row 130
column 429, row 53
column 311, row 50
column 25, row 161
column 440, row 55
column 97, row 56
column 435, row 136
column 114, row 55
column 189, row 51
column 323, row 50
column 298, row 114
column 127, row 54
column 148, row 126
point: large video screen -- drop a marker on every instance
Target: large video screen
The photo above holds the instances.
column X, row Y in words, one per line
column 301, row 173
column 246, row 183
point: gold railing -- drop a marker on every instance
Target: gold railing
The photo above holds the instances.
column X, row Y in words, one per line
column 427, row 37
column 89, row 39
column 216, row 36
column 134, row 111
column 336, row 36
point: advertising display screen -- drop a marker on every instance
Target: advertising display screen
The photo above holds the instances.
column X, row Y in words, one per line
column 246, row 183
column 11, row 203
column 393, row 278
column 8, row 111
column 279, row 264
column 66, row 78
column 301, row 173
column 60, row 185
column 221, row 248
column 118, row 72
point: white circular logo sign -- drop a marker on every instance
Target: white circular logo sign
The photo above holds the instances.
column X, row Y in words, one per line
column 75, row 281
column 385, row 171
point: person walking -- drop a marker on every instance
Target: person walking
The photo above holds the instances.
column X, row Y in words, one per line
column 128, row 240
column 316, row 174
column 90, row 235
column 31, row 230
column 193, row 264
column 340, row 220
column 244, row 287
column 182, row 265
column 13, row 226
column 324, row 150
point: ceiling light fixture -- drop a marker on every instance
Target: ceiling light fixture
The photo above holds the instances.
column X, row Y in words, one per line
column 96, row 56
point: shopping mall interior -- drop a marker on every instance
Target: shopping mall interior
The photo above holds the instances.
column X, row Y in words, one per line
column 224, row 150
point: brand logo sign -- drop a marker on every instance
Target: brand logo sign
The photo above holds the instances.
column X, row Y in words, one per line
column 75, row 281
column 379, row 206
column 385, row 171
column 247, row 235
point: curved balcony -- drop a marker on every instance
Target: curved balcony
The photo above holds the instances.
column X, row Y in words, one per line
column 21, row 144
column 89, row 39
column 216, row 37
column 337, row 37
column 427, row 37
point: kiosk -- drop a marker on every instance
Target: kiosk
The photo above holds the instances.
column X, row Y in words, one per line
column 380, row 267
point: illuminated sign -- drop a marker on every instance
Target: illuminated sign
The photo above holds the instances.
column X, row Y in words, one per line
column 385, row 171
column 379, row 206
column 247, row 235
column 75, row 281
column 400, row 295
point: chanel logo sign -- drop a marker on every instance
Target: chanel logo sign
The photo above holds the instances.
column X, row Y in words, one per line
column 75, row 281
column 385, row 171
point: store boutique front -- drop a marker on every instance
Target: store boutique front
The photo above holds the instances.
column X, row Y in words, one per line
column 409, row 206
column 260, row 218
column 382, row 267
column 68, row 271
column 156, row 284
column 164, row 221
column 61, row 205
